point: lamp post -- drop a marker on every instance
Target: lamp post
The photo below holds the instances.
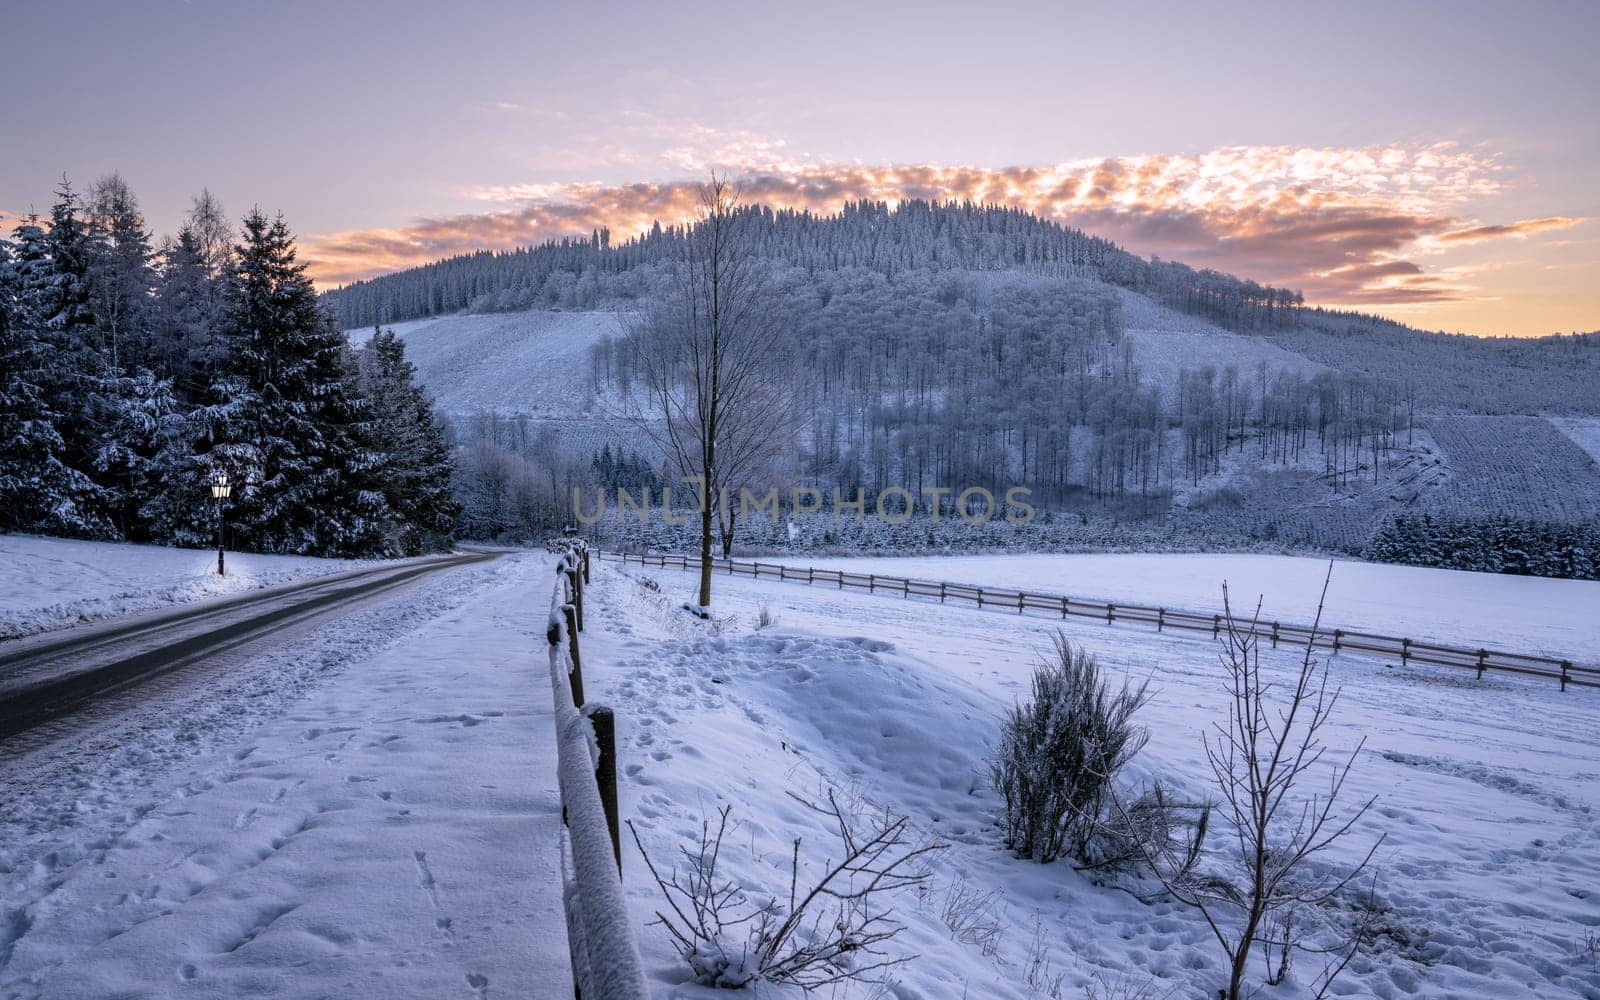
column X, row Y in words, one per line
column 220, row 488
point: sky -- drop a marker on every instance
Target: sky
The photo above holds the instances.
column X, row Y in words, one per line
column 1434, row 162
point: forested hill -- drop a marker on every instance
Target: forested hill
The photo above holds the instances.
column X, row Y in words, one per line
column 913, row 235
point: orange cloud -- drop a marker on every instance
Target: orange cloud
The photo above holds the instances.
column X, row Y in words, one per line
column 1335, row 222
column 1520, row 229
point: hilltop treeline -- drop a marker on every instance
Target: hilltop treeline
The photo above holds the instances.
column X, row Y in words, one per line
column 579, row 273
column 131, row 375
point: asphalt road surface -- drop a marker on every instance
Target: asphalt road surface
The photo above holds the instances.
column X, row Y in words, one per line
column 45, row 678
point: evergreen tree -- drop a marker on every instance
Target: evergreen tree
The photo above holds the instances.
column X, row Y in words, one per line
column 285, row 420
column 54, row 377
column 415, row 473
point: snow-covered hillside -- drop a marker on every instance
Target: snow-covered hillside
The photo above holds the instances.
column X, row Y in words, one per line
column 48, row 583
column 1165, row 342
column 525, row 362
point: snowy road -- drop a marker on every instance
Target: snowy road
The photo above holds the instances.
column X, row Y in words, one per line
column 41, row 680
column 362, row 806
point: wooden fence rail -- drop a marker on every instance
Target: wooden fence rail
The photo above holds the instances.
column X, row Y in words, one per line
column 1337, row 640
column 605, row 956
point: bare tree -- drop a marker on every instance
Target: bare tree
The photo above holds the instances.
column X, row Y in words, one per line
column 1261, row 761
column 713, row 359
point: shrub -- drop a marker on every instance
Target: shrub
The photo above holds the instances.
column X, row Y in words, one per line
column 1059, row 754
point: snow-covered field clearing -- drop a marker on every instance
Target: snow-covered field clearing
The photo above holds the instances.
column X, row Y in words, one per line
column 49, row 583
column 524, row 362
column 1165, row 342
column 1536, row 615
column 370, row 811
column 1486, row 791
column 1520, row 466
column 1584, row 432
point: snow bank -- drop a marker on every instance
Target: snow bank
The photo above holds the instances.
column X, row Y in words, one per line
column 50, row 583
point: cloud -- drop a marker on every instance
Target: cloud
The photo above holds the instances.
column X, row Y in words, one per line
column 1520, row 229
column 1337, row 222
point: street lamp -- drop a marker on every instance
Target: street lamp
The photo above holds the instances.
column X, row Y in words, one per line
column 220, row 488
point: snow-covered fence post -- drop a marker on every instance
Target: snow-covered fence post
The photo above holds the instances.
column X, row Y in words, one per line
column 1216, row 625
column 810, row 574
column 905, row 588
column 585, row 564
column 1274, row 635
column 1338, row 634
column 1064, row 609
column 1566, row 666
column 1161, row 619
column 571, row 615
column 872, row 584
column 1483, row 655
column 576, row 579
column 605, row 774
column 941, row 592
column 1405, row 651
column 1111, row 613
column 980, row 597
column 1020, row 596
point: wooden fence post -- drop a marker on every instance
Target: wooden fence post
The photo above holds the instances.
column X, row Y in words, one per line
column 571, row 614
column 1405, row 651
column 605, row 775
column 1161, row 619
column 941, row 591
column 980, row 597
column 905, row 590
column 1111, row 613
column 1483, row 654
column 1274, row 635
column 1566, row 665
column 1020, row 596
column 585, row 565
column 1063, row 609
column 1216, row 626
column 1338, row 634
column 576, row 580
column 811, row 574
column 872, row 584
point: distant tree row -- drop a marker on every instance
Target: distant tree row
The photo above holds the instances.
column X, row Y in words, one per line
column 131, row 375
column 1490, row 545
column 577, row 273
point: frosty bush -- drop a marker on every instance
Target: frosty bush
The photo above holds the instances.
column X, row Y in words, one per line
column 830, row 929
column 1059, row 753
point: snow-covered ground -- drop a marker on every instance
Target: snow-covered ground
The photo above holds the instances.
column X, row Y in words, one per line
column 1584, row 432
column 1535, row 615
column 344, row 816
column 1486, row 791
column 49, row 583
column 1165, row 342
column 369, row 811
column 524, row 362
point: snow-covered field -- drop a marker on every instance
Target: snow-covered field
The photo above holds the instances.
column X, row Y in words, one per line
column 1535, row 615
column 49, row 583
column 1486, row 791
column 525, row 362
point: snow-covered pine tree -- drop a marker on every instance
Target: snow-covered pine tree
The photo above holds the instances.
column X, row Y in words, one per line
column 121, row 278
column 286, row 418
column 56, row 374
column 416, row 459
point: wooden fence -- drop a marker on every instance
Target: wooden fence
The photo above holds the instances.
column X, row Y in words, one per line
column 1337, row 640
column 605, row 956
